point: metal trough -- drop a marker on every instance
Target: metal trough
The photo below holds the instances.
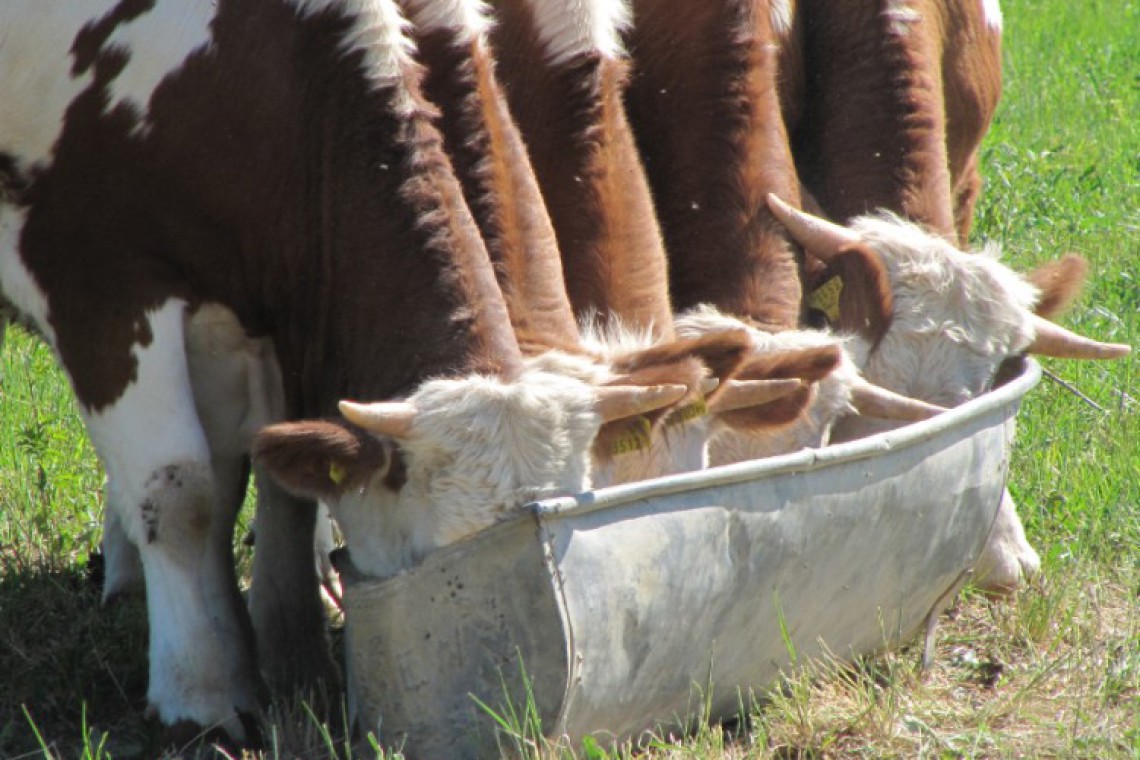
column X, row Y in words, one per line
column 636, row 607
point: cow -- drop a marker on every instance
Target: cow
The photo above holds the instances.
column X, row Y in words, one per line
column 182, row 175
column 564, row 72
column 887, row 103
column 955, row 318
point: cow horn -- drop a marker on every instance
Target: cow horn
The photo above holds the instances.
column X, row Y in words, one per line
column 616, row 402
column 740, row 394
column 821, row 238
column 390, row 418
column 871, row 400
column 708, row 385
column 1054, row 340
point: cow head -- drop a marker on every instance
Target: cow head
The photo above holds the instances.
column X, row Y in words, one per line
column 405, row 477
column 954, row 317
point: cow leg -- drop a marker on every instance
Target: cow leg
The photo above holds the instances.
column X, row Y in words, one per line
column 122, row 565
column 157, row 458
column 967, row 191
column 285, row 597
column 1007, row 559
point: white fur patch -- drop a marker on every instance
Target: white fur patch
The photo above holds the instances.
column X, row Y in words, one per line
column 780, row 12
column 991, row 12
column 382, row 32
column 158, row 42
column 16, row 282
column 569, row 29
column 37, row 85
column 468, row 19
column 479, row 449
column 900, row 16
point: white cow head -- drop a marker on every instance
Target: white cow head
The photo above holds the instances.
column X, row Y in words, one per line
column 456, row 456
column 948, row 319
column 937, row 324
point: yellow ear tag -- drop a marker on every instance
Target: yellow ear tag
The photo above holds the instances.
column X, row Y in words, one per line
column 635, row 438
column 337, row 473
column 689, row 412
column 826, row 298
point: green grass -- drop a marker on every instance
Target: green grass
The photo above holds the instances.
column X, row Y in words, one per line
column 1052, row 672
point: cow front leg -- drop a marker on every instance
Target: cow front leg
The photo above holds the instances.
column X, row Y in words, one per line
column 285, row 598
column 202, row 674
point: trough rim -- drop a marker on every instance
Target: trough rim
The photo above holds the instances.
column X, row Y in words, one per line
column 1006, row 398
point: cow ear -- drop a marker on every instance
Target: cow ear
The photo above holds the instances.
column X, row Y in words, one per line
column 866, row 304
column 689, row 361
column 320, row 459
column 807, row 364
column 1060, row 282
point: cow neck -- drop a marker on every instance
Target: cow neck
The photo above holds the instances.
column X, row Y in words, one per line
column 873, row 131
column 275, row 178
column 498, row 182
column 573, row 120
column 704, row 107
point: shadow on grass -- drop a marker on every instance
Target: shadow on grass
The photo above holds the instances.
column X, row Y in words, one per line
column 63, row 654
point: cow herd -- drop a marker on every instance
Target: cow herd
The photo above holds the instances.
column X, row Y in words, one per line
column 425, row 261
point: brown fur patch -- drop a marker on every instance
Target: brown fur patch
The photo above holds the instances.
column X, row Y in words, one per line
column 573, row 120
column 1060, row 282
column 810, row 365
column 782, row 411
column 704, row 107
column 302, row 457
column 722, row 353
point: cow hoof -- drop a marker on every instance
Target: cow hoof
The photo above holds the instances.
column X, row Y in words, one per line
column 185, row 736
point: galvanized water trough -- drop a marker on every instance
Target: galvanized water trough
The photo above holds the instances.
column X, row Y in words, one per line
column 634, row 607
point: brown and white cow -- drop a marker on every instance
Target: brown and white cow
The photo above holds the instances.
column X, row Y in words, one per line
column 955, row 318
column 272, row 164
column 887, row 103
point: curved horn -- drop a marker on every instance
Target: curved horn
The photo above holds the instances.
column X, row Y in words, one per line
column 823, row 239
column 871, row 400
column 708, row 385
column 739, row 394
column 1054, row 340
column 390, row 418
column 616, row 402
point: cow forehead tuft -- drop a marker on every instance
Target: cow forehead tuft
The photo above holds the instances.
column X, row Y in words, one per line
column 580, row 28
column 469, row 19
column 991, row 12
column 780, row 12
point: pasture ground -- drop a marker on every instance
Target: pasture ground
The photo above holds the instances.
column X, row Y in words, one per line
column 1054, row 672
